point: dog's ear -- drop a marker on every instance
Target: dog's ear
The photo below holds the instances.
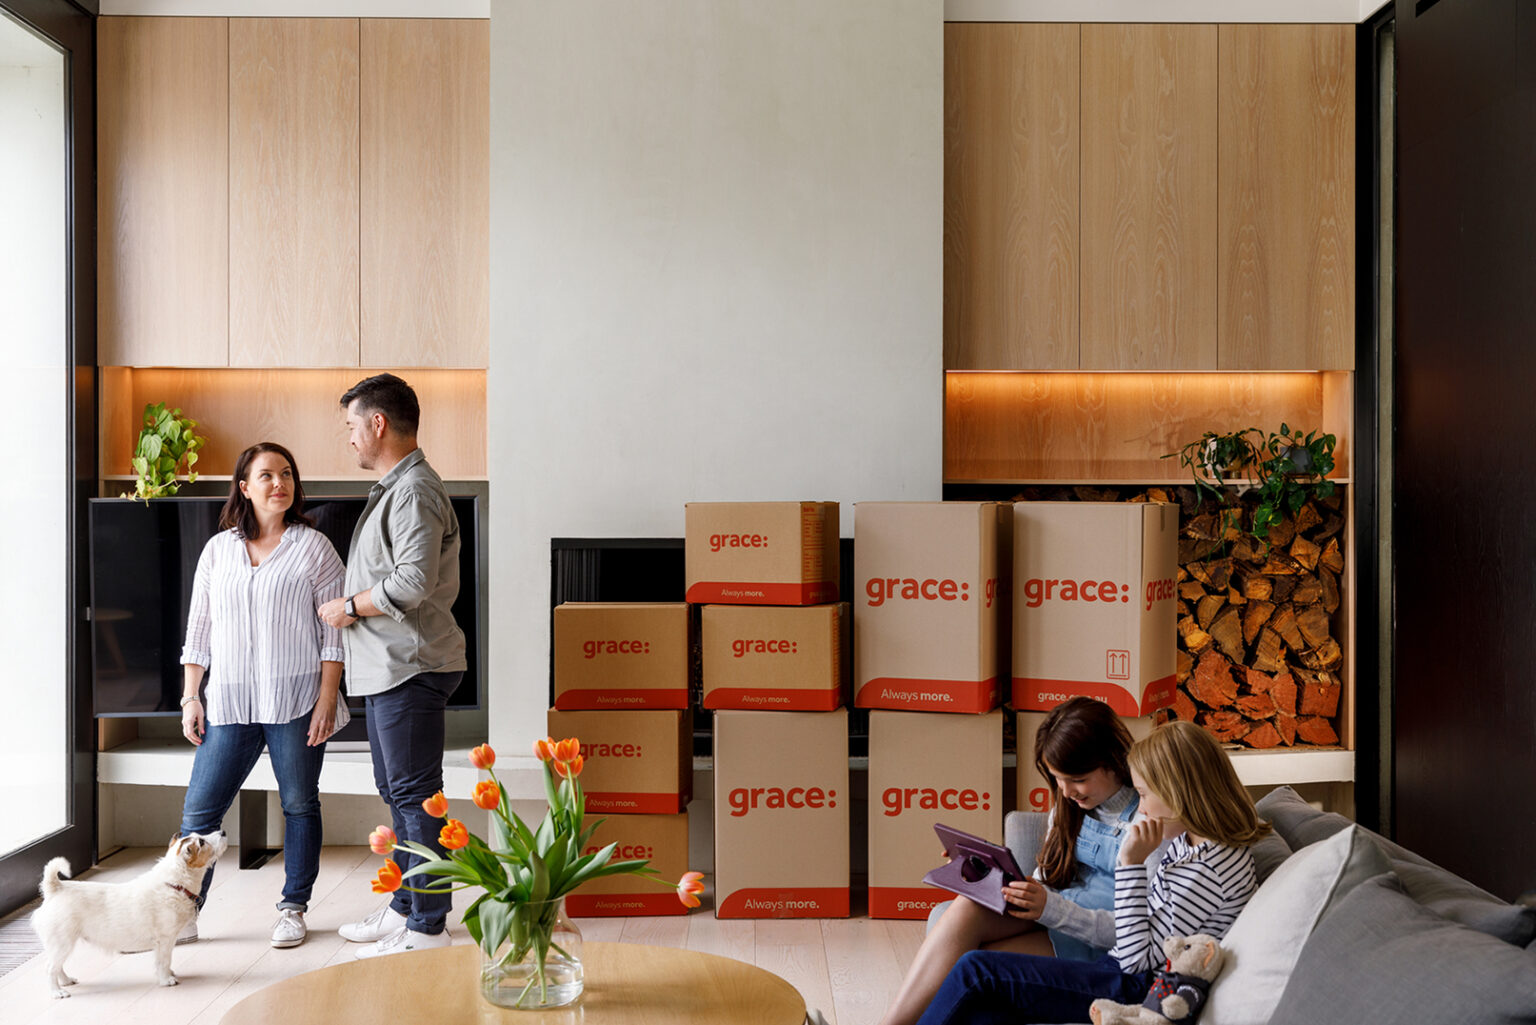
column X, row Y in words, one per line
column 175, row 846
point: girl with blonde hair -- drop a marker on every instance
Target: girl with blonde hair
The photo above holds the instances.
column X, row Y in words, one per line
column 1190, row 798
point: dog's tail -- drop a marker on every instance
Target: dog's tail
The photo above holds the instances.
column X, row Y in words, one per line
column 56, row 867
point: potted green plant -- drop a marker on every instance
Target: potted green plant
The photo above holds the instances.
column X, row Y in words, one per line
column 166, row 443
column 1284, row 468
column 1291, row 468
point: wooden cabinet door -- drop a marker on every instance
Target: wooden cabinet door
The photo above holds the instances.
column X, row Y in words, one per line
column 162, row 191
column 1149, row 197
column 1287, row 195
column 425, row 193
column 1010, row 196
column 293, row 148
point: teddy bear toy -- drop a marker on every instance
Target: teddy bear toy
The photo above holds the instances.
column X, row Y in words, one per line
column 1178, row 989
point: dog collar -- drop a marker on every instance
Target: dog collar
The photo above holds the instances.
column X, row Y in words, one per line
column 183, row 891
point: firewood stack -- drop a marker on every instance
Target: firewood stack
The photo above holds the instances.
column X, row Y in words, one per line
column 1258, row 663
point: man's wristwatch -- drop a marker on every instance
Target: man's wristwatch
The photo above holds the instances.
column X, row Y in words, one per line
column 351, row 608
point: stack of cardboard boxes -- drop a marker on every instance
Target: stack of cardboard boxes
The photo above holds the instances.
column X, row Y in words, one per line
column 621, row 687
column 773, row 643
column 930, row 649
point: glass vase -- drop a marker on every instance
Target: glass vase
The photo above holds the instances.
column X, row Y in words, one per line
column 538, row 965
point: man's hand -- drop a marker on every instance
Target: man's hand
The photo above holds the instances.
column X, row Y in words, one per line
column 334, row 613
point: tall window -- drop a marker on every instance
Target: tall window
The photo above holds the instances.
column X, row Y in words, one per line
column 34, row 518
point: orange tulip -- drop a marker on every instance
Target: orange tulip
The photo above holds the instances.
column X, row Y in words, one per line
column 454, row 835
column 382, row 840
column 487, row 795
column 567, row 749
column 571, row 769
column 389, row 878
column 544, row 749
column 689, row 887
column 482, row 757
column 436, row 805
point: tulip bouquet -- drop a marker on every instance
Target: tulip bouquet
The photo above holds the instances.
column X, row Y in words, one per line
column 523, row 872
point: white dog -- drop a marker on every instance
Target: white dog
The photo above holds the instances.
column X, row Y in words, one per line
column 145, row 913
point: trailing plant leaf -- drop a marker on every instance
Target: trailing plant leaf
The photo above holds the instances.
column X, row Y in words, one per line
column 166, row 440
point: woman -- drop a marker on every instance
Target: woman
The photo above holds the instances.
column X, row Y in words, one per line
column 1081, row 746
column 275, row 668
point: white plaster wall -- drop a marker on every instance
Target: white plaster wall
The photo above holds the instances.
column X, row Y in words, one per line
column 716, row 275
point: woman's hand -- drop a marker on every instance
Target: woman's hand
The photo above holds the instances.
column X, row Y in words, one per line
column 1025, row 898
column 1144, row 837
column 192, row 723
column 322, row 722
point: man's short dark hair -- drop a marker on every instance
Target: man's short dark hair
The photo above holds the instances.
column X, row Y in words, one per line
column 387, row 394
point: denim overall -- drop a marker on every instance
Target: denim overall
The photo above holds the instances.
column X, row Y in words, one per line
column 1098, row 847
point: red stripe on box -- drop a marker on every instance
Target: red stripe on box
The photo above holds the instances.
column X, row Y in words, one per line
column 592, row 698
column 1034, row 694
column 977, row 696
column 817, row 592
column 621, row 905
column 618, row 802
column 901, row 901
column 785, row 902
column 779, row 699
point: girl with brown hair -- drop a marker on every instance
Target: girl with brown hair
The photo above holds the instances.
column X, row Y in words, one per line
column 1082, row 748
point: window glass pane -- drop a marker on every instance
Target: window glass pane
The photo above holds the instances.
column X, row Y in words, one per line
column 34, row 687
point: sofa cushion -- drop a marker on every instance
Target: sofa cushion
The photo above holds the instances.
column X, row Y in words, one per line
column 1268, row 853
column 1443, row 892
column 1264, row 942
column 1381, row 956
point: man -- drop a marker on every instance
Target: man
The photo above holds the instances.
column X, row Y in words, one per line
column 404, row 652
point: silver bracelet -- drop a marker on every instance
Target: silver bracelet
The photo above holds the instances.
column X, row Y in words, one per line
column 187, row 700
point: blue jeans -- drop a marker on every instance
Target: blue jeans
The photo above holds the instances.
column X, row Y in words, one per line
column 405, row 735
column 219, row 769
column 991, row 987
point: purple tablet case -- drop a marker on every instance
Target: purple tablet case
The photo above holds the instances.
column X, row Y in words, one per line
column 978, row 869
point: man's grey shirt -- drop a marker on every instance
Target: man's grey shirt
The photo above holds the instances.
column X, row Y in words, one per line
column 405, row 552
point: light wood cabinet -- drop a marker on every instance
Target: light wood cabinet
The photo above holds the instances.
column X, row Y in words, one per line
column 293, row 174
column 294, row 192
column 426, row 193
column 1148, row 178
column 1287, row 197
column 1216, row 172
column 1011, row 196
column 163, row 191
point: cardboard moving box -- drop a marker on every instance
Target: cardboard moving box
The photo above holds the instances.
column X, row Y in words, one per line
column 927, row 767
column 761, row 553
column 662, row 840
column 778, row 658
column 781, row 814
column 621, row 655
column 927, row 622
column 636, row 762
column 1093, row 603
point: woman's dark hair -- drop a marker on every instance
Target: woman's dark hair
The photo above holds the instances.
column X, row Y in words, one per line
column 1077, row 737
column 387, row 394
column 238, row 513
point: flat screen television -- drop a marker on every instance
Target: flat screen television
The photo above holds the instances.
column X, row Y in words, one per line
column 143, row 558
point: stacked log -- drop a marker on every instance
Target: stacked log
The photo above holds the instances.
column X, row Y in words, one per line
column 1258, row 662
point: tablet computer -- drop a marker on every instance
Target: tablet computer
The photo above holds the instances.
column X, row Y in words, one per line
column 977, row 869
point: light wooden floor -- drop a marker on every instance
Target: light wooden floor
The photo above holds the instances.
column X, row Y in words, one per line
column 845, row 968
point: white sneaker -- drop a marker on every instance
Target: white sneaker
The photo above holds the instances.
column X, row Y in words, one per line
column 403, row 940
column 290, row 929
column 188, row 934
column 375, row 927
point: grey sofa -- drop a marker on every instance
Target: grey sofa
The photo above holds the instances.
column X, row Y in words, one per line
column 1370, row 932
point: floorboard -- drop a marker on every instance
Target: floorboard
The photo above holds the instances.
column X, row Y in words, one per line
column 845, row 968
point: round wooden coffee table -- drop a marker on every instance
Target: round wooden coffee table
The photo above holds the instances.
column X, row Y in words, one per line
column 626, row 983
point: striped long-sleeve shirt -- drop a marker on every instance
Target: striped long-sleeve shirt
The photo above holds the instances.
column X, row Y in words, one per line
column 1195, row 889
column 256, row 627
